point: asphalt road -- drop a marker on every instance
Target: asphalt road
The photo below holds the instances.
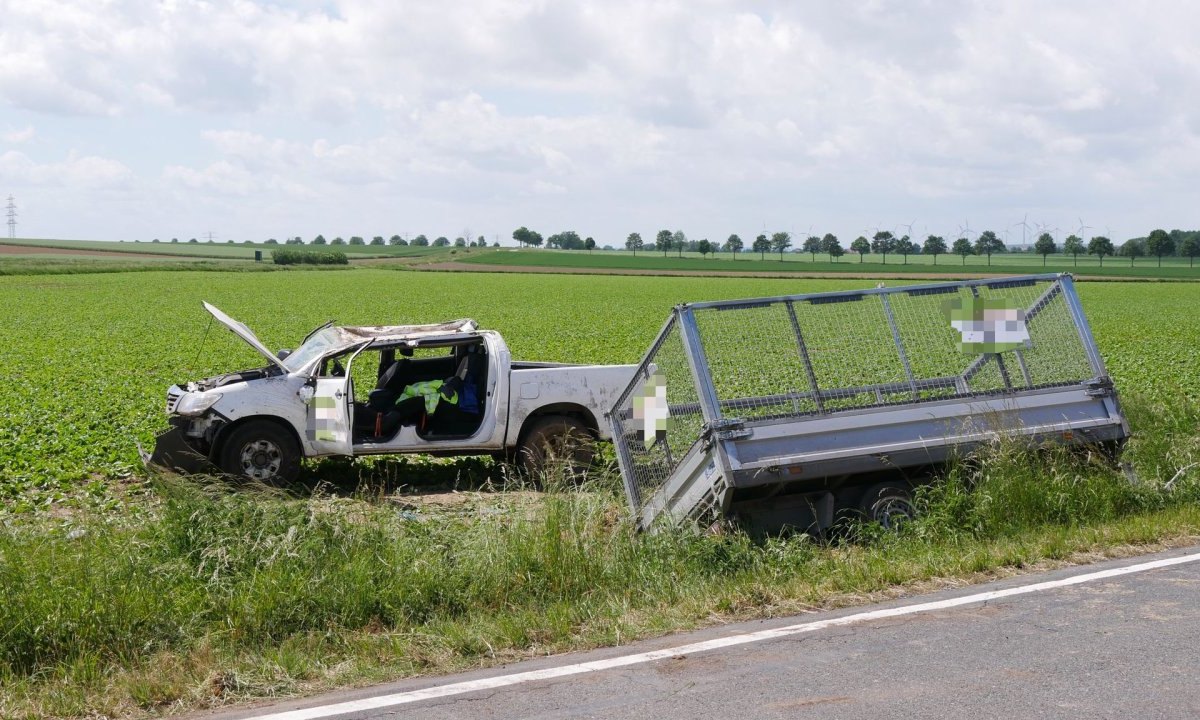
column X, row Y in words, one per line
column 1124, row 646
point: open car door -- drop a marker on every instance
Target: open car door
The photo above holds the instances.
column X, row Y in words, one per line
column 331, row 411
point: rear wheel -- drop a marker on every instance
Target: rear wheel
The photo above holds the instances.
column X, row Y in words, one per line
column 889, row 503
column 556, row 442
column 263, row 451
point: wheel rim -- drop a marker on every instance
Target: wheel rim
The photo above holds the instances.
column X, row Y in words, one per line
column 892, row 511
column 261, row 459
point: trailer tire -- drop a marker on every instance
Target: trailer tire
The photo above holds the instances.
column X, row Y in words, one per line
column 556, row 442
column 888, row 503
column 262, row 451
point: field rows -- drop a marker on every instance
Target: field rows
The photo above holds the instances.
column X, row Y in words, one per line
column 91, row 355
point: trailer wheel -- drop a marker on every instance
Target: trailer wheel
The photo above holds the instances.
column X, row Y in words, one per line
column 261, row 450
column 889, row 503
column 554, row 442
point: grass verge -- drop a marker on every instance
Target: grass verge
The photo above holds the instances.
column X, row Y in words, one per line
column 215, row 595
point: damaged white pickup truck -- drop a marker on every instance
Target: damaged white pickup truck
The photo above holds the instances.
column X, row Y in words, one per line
column 441, row 389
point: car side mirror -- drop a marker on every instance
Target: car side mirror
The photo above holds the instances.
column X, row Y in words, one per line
column 283, row 354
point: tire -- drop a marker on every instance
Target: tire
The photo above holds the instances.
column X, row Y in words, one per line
column 553, row 442
column 889, row 503
column 262, row 451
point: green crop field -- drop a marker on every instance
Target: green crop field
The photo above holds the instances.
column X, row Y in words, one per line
column 950, row 265
column 234, row 251
column 93, row 354
column 127, row 596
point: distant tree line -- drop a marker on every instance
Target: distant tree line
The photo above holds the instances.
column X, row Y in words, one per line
column 1157, row 244
column 288, row 256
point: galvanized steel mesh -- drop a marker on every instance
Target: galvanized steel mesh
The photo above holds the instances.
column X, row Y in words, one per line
column 649, row 464
column 806, row 356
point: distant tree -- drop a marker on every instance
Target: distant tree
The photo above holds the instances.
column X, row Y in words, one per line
column 337, row 241
column 377, row 240
column 634, row 243
column 1073, row 246
column 780, row 241
column 761, row 245
column 812, row 245
column 883, row 242
column 174, row 240
column 861, row 245
column 827, row 244
column 1190, row 248
column 521, row 235
column 496, row 244
column 589, row 244
column 678, row 241
column 154, row 240
column 535, row 238
column 906, row 247
column 569, row 240
column 420, row 241
column 987, row 243
column 1132, row 249
column 662, row 241
column 319, row 240
column 734, row 245
column 1159, row 243
column 441, row 241
column 704, row 247
column 356, row 240
column 1045, row 246
column 934, row 245
column 396, row 240
column 962, row 247
column 1100, row 246
column 270, row 241
column 193, row 241
column 460, row 242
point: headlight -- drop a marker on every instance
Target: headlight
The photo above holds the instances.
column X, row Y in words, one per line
column 193, row 404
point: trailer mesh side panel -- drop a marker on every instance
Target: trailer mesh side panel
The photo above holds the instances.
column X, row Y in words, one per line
column 814, row 355
column 650, row 463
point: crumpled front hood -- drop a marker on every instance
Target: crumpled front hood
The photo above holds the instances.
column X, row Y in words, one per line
column 244, row 333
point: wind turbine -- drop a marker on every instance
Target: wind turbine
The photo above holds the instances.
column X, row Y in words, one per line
column 1024, row 229
column 1082, row 227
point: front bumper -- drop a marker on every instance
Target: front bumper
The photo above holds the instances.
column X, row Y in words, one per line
column 173, row 450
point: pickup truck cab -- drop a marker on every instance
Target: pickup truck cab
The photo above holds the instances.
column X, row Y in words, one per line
column 336, row 393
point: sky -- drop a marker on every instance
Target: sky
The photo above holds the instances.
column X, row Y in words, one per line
column 124, row 120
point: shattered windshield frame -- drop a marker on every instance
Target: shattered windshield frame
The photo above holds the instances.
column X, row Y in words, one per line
column 314, row 347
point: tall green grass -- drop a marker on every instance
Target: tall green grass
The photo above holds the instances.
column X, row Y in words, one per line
column 217, row 593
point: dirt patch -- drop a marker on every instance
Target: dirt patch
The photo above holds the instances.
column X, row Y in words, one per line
column 38, row 250
column 479, row 267
column 453, row 266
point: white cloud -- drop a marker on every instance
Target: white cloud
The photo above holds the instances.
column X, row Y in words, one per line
column 747, row 111
column 88, row 171
column 16, row 137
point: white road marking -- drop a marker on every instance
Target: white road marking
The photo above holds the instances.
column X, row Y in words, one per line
column 460, row 688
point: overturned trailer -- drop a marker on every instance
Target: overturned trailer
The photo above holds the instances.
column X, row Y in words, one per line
column 782, row 411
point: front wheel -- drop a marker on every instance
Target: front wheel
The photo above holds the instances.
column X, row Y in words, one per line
column 262, row 451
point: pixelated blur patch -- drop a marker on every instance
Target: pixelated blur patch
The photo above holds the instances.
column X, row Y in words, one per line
column 323, row 419
column 987, row 325
column 651, row 417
